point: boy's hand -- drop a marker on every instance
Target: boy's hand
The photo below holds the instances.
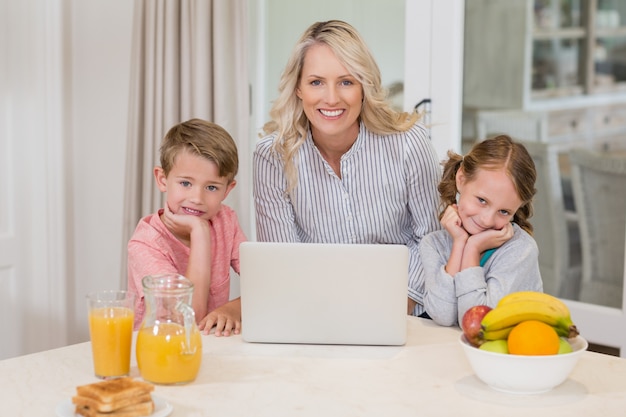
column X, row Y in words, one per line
column 180, row 225
column 226, row 319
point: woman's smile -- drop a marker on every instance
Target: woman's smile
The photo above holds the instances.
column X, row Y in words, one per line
column 332, row 113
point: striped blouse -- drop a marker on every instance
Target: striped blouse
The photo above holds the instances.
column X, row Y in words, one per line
column 387, row 194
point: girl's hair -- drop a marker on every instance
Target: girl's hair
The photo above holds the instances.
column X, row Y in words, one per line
column 204, row 139
column 288, row 122
column 491, row 154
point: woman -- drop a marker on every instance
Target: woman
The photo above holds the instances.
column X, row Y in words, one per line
column 338, row 164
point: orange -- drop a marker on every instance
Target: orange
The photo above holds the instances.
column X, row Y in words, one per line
column 533, row 337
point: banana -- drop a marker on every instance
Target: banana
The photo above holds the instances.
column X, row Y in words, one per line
column 501, row 334
column 515, row 312
column 534, row 295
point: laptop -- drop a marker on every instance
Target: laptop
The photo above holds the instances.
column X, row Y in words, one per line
column 319, row 293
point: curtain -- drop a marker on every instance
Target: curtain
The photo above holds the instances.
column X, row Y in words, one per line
column 189, row 59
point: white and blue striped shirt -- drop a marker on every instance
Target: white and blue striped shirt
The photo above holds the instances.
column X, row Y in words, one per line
column 387, row 194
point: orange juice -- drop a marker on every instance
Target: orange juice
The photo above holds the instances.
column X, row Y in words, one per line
column 111, row 330
column 162, row 356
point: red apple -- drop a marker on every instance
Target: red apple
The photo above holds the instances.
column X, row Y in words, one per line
column 471, row 323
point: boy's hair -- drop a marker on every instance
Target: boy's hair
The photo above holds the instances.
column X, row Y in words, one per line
column 491, row 154
column 204, row 139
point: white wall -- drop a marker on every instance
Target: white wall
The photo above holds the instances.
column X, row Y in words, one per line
column 434, row 65
column 100, row 71
column 32, row 225
column 64, row 93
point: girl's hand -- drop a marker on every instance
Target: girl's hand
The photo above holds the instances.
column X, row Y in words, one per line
column 492, row 238
column 454, row 226
column 451, row 221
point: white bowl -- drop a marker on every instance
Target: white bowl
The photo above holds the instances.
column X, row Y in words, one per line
column 520, row 374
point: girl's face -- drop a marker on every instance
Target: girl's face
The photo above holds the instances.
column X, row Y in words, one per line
column 487, row 202
column 193, row 186
column 331, row 97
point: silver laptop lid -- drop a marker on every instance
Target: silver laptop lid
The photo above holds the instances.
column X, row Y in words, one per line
column 324, row 293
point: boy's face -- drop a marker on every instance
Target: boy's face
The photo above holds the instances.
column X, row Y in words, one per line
column 193, row 186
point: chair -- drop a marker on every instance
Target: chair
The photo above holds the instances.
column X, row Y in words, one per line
column 555, row 229
column 598, row 180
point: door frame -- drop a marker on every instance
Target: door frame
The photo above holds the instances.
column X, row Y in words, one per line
column 434, row 67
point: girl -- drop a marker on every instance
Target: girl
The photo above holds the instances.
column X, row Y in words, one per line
column 486, row 249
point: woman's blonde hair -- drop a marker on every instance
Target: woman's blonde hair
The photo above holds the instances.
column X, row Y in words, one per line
column 494, row 153
column 288, row 122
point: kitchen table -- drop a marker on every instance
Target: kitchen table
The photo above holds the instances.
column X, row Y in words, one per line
column 429, row 376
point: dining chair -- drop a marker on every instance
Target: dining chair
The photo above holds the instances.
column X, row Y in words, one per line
column 555, row 229
column 598, row 180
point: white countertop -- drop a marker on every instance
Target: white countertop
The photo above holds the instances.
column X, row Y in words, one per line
column 429, row 376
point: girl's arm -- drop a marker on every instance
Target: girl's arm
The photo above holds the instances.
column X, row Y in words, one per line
column 453, row 225
column 440, row 299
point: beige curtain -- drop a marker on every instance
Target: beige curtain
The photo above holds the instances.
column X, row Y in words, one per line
column 189, row 59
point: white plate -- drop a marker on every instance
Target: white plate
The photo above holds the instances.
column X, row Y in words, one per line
column 161, row 408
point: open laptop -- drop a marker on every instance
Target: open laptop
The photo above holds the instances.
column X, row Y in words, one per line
column 315, row 293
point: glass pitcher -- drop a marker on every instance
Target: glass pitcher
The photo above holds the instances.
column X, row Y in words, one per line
column 169, row 346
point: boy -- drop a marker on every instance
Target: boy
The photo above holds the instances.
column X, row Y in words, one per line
column 194, row 234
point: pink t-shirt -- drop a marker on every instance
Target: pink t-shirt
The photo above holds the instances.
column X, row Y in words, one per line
column 153, row 249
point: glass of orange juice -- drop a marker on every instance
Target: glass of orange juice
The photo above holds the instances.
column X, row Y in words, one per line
column 111, row 314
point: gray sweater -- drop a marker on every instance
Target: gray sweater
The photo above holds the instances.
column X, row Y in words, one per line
column 514, row 266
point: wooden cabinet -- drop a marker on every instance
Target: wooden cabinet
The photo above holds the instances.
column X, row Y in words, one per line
column 599, row 127
column 547, row 70
column 521, row 52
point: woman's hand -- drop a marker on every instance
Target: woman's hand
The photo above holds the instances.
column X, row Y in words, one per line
column 410, row 306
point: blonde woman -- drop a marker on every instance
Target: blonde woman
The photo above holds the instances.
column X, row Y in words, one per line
column 338, row 164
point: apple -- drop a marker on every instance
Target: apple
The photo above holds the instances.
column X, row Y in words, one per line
column 498, row 346
column 564, row 346
column 471, row 323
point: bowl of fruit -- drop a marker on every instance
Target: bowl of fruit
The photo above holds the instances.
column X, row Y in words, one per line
column 527, row 344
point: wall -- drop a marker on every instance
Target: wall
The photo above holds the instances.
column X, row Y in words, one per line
column 100, row 71
column 32, row 225
column 64, row 88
